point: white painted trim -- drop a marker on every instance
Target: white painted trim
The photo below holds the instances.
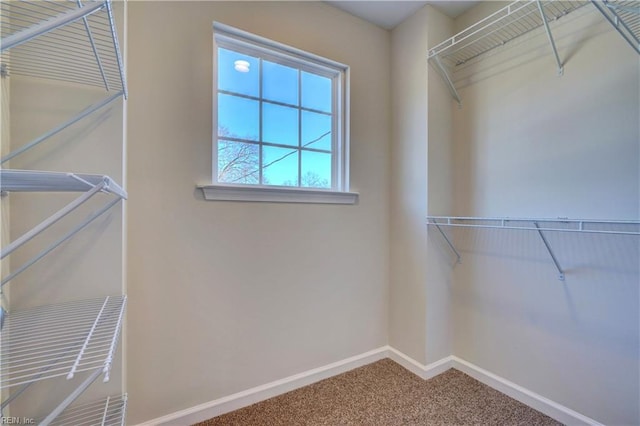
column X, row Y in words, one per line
column 245, row 398
column 260, row 393
column 276, row 195
column 421, row 370
column 538, row 402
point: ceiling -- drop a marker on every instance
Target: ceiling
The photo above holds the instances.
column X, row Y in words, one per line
column 388, row 14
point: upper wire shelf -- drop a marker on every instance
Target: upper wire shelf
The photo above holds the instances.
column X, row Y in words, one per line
column 60, row 340
column 625, row 18
column 512, row 21
column 71, row 41
column 110, row 411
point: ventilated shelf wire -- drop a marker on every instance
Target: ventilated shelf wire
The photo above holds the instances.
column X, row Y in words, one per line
column 109, row 411
column 534, row 224
column 60, row 340
column 510, row 22
column 83, row 51
column 40, row 181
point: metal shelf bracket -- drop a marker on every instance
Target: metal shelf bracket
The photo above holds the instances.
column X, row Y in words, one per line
column 448, row 241
column 553, row 257
column 550, row 36
column 447, row 79
column 87, row 111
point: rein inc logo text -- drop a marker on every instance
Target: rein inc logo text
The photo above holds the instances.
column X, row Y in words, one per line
column 17, row 421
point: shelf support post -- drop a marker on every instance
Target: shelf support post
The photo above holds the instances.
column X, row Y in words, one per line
column 553, row 257
column 553, row 44
column 447, row 240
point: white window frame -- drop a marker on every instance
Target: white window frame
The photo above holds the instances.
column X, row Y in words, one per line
column 238, row 40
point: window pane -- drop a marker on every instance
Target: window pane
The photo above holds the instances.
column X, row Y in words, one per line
column 316, row 169
column 238, row 117
column 316, row 92
column 279, row 83
column 238, row 162
column 316, row 130
column 229, row 78
column 279, row 124
column 280, row 166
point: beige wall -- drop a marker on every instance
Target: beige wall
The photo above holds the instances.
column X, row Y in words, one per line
column 227, row 296
column 421, row 179
column 407, row 302
column 531, row 144
column 440, row 173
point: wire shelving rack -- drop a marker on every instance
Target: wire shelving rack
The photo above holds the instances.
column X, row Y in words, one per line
column 75, row 43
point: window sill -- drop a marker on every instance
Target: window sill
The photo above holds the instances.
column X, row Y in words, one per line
column 276, row 195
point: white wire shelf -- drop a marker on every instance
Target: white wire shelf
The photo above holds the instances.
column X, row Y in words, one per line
column 60, row 340
column 512, row 21
column 616, row 227
column 625, row 18
column 540, row 225
column 110, row 411
column 73, row 41
column 12, row 180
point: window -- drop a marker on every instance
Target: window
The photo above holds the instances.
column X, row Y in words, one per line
column 279, row 115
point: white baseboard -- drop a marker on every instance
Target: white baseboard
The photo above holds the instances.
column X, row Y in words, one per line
column 245, row 398
column 421, row 370
column 260, row 393
column 544, row 405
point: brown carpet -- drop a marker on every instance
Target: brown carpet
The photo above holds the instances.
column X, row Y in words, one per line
column 384, row 393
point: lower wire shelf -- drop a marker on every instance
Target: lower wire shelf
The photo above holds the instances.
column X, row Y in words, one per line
column 60, row 340
column 110, row 411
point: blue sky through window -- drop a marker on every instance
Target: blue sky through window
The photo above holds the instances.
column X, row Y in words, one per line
column 294, row 110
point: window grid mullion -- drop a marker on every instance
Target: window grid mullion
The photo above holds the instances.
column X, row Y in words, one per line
column 299, row 128
column 275, row 145
column 253, row 98
column 260, row 146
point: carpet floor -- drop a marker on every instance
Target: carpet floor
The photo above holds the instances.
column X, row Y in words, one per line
column 384, row 393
